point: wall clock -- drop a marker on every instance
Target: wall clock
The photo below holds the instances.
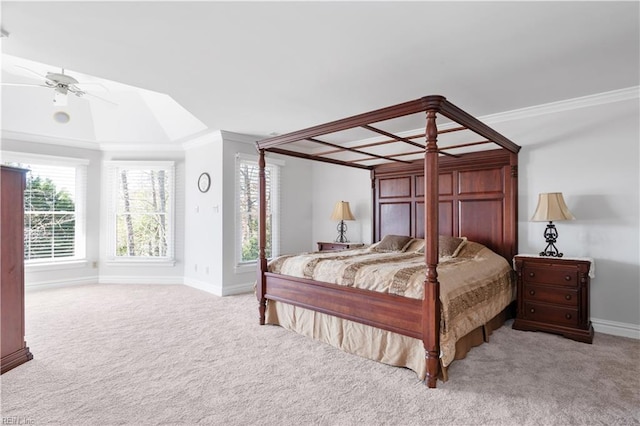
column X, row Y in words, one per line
column 204, row 182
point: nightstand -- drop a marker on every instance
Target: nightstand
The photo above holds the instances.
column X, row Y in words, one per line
column 337, row 246
column 553, row 296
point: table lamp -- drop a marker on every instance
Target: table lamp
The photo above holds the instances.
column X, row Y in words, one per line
column 551, row 206
column 342, row 212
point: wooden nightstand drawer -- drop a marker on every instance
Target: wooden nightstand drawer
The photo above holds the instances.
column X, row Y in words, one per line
column 550, row 275
column 555, row 295
column 322, row 246
column 551, row 314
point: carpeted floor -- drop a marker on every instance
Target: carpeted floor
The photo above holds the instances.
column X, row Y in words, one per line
column 173, row 355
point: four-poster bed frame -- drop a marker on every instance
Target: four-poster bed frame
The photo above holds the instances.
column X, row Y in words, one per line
column 473, row 194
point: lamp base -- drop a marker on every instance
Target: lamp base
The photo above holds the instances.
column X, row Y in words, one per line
column 342, row 229
column 551, row 236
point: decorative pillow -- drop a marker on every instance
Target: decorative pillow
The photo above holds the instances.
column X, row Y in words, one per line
column 416, row 245
column 448, row 246
column 391, row 243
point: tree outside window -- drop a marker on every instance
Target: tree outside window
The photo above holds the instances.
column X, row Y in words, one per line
column 53, row 219
column 50, row 217
column 143, row 211
column 248, row 210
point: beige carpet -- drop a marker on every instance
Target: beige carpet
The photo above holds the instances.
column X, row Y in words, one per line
column 171, row 355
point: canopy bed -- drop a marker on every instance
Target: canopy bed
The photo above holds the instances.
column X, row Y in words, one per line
column 420, row 190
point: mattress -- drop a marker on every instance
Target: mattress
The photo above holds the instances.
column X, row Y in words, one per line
column 475, row 286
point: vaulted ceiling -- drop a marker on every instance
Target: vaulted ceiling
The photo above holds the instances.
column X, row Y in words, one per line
column 265, row 67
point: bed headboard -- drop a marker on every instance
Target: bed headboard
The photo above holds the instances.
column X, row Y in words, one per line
column 478, row 199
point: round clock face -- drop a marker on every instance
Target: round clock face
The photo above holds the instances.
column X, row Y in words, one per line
column 204, row 182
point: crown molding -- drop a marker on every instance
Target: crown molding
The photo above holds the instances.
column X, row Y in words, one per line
column 202, row 138
column 91, row 144
column 141, row 146
column 239, row 137
column 603, row 98
column 208, row 136
column 565, row 105
column 32, row 137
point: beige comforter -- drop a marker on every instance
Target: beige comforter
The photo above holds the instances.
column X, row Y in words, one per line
column 474, row 287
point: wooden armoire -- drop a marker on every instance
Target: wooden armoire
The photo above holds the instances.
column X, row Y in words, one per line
column 14, row 348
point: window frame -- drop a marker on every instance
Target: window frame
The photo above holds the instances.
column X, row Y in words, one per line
column 80, row 236
column 112, row 182
column 276, row 167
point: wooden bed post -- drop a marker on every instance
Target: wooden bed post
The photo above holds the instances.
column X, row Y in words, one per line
column 262, row 260
column 431, row 301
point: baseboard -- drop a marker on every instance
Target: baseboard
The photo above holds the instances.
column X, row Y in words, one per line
column 212, row 288
column 129, row 279
column 616, row 328
column 232, row 289
column 218, row 289
column 204, row 286
column 599, row 325
column 41, row 285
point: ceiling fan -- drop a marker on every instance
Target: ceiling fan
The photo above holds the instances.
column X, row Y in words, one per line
column 62, row 84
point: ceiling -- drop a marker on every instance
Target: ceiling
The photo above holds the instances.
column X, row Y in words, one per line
column 273, row 67
column 106, row 113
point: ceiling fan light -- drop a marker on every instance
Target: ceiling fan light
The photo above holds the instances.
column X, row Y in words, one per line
column 61, row 117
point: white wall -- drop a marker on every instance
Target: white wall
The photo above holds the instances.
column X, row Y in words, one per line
column 295, row 218
column 588, row 149
column 72, row 272
column 141, row 273
column 203, row 215
column 96, row 269
column 210, row 231
column 333, row 183
column 591, row 155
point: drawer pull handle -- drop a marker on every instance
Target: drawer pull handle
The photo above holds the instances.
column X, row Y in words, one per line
column 532, row 274
column 532, row 292
column 567, row 277
column 533, row 311
column 567, row 297
column 568, row 316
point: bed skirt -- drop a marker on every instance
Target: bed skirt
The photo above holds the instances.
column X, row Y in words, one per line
column 370, row 342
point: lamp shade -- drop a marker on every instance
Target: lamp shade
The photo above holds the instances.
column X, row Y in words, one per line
column 551, row 206
column 341, row 211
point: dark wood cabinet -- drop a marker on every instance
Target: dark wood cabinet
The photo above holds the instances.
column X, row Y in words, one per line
column 322, row 246
column 14, row 348
column 553, row 296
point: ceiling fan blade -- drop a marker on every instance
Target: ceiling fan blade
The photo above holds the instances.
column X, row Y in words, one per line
column 24, row 85
column 76, row 90
column 100, row 98
column 93, row 84
column 31, row 71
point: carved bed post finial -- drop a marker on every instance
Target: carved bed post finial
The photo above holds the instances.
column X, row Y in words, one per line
column 262, row 239
column 431, row 301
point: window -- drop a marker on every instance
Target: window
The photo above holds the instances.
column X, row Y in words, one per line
column 248, row 212
column 141, row 210
column 54, row 222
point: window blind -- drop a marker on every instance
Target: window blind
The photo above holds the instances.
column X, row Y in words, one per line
column 142, row 209
column 53, row 206
column 248, row 211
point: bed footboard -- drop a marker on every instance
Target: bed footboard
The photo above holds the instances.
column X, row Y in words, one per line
column 398, row 314
column 389, row 312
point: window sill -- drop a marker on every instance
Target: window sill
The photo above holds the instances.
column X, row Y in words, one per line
column 141, row 262
column 56, row 266
column 243, row 268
